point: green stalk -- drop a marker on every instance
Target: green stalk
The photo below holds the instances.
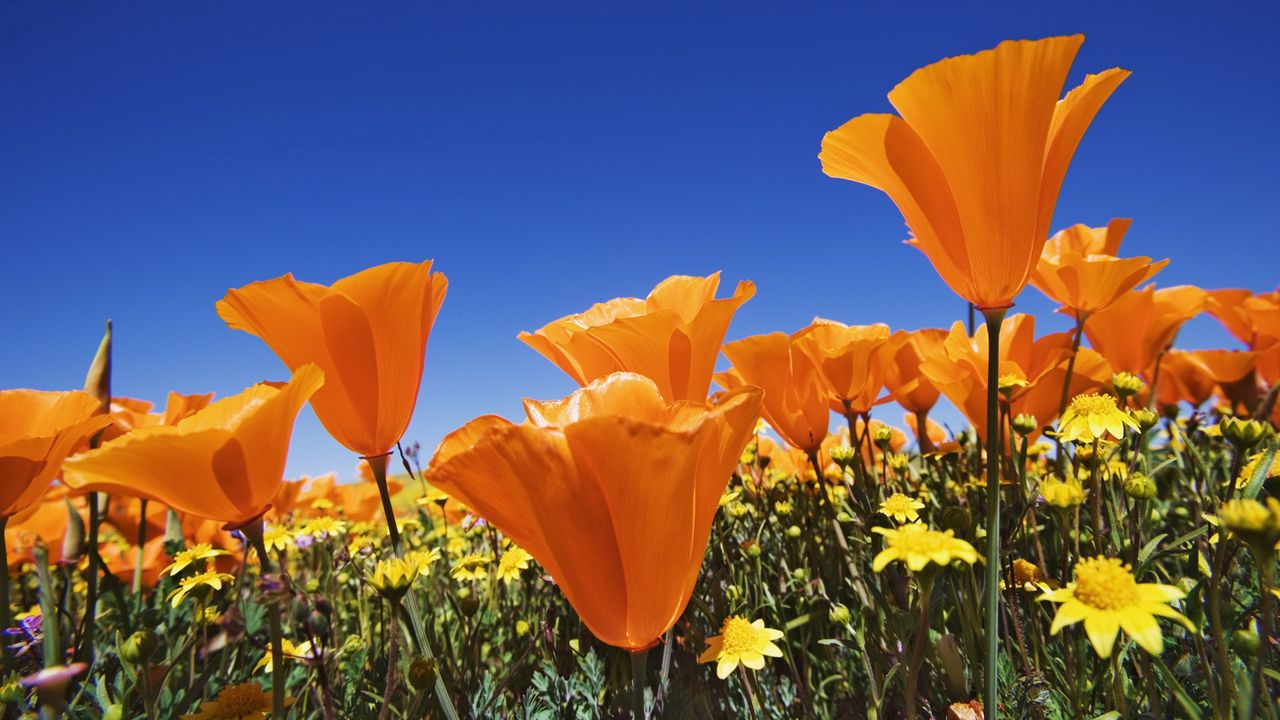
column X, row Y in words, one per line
column 925, row 581
column 142, row 540
column 253, row 533
column 991, row 594
column 378, row 463
column 639, row 663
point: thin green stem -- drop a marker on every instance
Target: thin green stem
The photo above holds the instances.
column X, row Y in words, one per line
column 253, row 532
column 378, row 464
column 991, row 590
column 639, row 664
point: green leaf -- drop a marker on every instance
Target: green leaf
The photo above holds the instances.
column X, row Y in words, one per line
column 1259, row 475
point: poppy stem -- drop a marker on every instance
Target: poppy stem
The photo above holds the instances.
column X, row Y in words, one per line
column 378, row 464
column 639, row 664
column 991, row 594
column 142, row 541
column 253, row 533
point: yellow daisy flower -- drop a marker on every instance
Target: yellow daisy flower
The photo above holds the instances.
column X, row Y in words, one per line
column 423, row 559
column 902, row 508
column 393, row 577
column 1064, row 494
column 290, row 651
column 1092, row 417
column 917, row 545
column 471, row 567
column 194, row 554
column 197, row 583
column 246, row 701
column 278, row 538
column 1107, row 597
column 741, row 642
column 513, row 560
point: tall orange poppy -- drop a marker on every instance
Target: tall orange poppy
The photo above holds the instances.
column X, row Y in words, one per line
column 977, row 157
column 368, row 332
column 1234, row 373
column 1141, row 324
column 673, row 336
column 1032, row 370
column 1084, row 283
column 612, row 490
column 223, row 463
column 852, row 360
column 37, row 431
column 796, row 401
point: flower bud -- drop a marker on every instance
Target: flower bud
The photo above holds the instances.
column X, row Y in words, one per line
column 139, row 648
column 793, row 531
column 1024, row 424
column 839, row 614
column 883, row 436
column 113, row 712
column 469, row 605
column 73, row 540
column 732, row 593
column 1127, row 384
column 957, row 519
column 1139, row 487
column 842, row 455
column 422, row 672
column 1245, row 433
column 1145, row 418
column 1246, row 642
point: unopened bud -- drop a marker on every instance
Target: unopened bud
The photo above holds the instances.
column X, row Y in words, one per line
column 422, row 672
column 1139, row 486
column 1127, row 384
column 139, row 648
column 1024, row 424
column 839, row 614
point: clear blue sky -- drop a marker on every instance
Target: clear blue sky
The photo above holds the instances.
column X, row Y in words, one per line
column 547, row 156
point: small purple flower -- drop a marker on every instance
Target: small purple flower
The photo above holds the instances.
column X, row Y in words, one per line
column 30, row 631
column 304, row 541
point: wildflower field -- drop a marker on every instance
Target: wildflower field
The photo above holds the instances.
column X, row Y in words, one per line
column 1098, row 540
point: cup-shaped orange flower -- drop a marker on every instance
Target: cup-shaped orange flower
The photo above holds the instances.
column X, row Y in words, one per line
column 672, row 337
column 1183, row 378
column 131, row 413
column 796, row 401
column 852, row 360
column 1084, row 240
column 1084, row 282
column 368, row 332
column 612, row 490
column 1141, row 324
column 223, row 463
column 907, row 386
column 1253, row 319
column 976, row 158
column 1032, row 371
column 1234, row 373
column 37, row 431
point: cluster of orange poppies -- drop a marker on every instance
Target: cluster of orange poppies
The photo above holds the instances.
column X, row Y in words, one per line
column 614, row 488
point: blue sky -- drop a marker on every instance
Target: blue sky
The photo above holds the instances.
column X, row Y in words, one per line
column 548, row 156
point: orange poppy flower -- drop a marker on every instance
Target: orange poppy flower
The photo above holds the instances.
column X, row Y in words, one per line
column 1085, row 240
column 223, row 463
column 356, row 501
column 977, row 158
column 1141, row 324
column 672, row 337
column 45, row 521
column 368, row 333
column 1082, row 282
column 1183, row 378
column 1253, row 319
column 37, row 431
column 612, row 490
column 852, row 361
column 1032, row 371
column 130, row 413
column 1233, row 371
column 796, row 400
column 907, row 385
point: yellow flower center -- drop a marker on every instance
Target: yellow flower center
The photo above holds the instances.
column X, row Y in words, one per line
column 1105, row 583
column 738, row 636
column 1094, row 404
column 241, row 700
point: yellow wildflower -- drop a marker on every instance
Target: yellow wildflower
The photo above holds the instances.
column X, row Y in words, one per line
column 471, row 567
column 1092, row 417
column 196, row 584
column 1107, row 597
column 917, row 545
column 194, row 554
column 513, row 560
column 741, row 642
column 1063, row 494
column 902, row 508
